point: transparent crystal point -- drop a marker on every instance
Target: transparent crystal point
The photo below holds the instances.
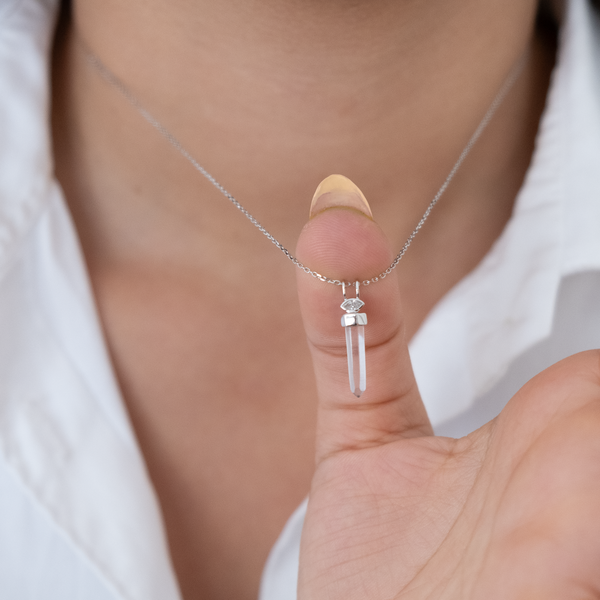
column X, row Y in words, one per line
column 355, row 350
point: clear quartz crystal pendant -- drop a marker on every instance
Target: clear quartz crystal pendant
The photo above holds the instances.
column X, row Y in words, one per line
column 354, row 322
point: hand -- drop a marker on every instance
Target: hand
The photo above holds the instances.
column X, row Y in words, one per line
column 512, row 511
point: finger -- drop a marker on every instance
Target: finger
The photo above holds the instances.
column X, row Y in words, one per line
column 343, row 242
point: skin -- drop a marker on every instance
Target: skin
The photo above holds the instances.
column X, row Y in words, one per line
column 509, row 512
column 202, row 317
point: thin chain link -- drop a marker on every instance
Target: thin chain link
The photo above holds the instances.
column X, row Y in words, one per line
column 115, row 82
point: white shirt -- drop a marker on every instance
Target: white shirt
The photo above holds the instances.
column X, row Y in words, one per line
column 79, row 518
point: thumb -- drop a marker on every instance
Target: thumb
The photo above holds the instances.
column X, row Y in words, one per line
column 341, row 241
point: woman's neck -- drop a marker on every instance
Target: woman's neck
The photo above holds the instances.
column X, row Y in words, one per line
column 272, row 96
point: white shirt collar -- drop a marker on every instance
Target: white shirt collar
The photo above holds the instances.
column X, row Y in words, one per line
column 579, row 105
column 64, row 432
column 26, row 29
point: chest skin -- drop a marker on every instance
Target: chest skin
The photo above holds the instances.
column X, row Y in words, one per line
column 221, row 397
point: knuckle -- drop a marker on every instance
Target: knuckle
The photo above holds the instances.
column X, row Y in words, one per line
column 569, row 383
column 581, row 369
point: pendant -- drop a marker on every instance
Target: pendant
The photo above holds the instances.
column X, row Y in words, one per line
column 354, row 322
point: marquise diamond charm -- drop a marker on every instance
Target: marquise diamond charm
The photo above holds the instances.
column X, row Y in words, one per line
column 354, row 322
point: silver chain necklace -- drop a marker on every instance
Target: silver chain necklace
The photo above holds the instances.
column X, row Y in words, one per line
column 353, row 321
